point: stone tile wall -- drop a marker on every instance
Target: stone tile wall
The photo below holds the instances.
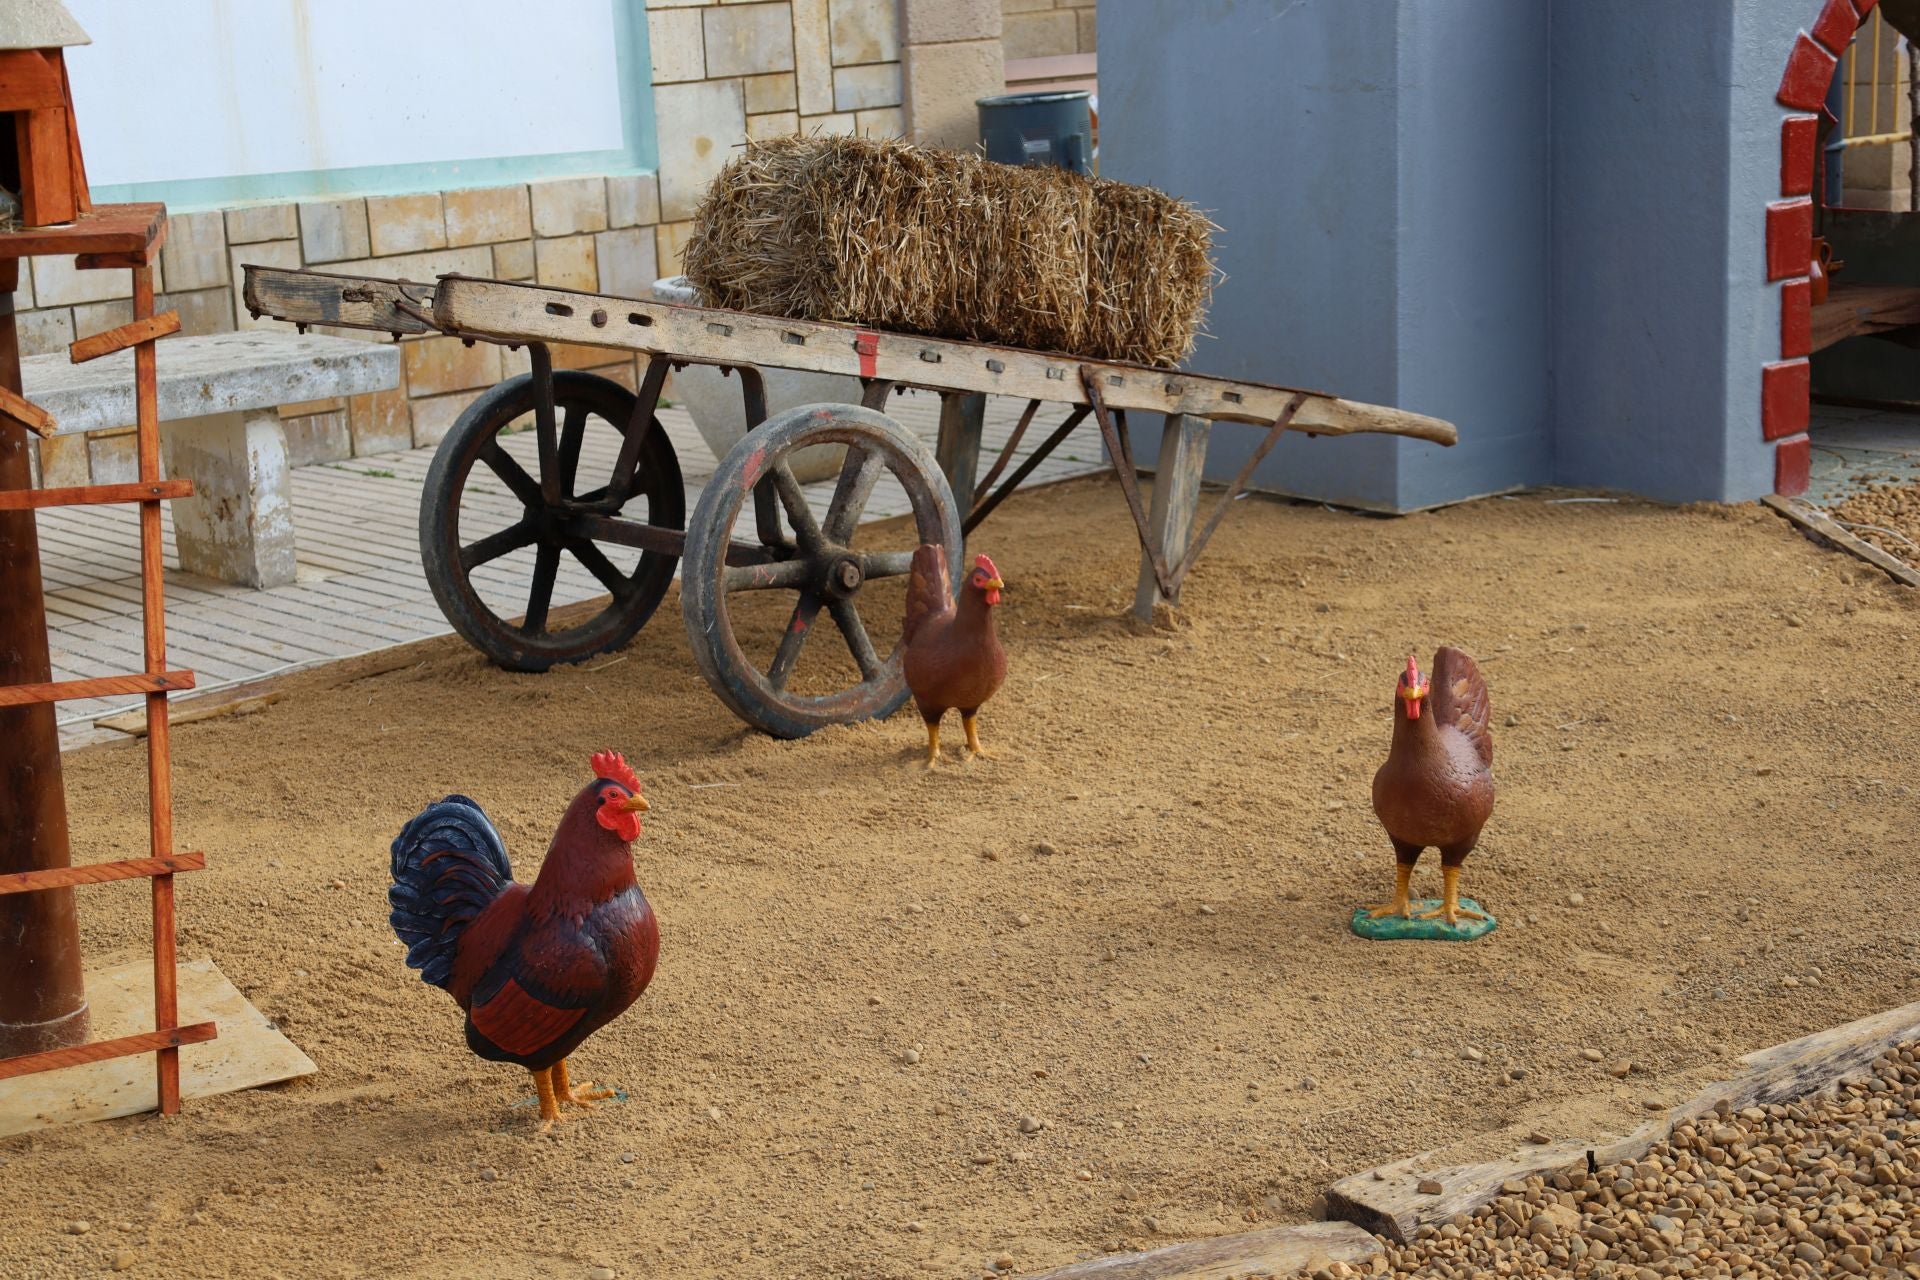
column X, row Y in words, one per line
column 1047, row 28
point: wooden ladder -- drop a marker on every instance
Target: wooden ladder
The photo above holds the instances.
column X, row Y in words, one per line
column 104, row 238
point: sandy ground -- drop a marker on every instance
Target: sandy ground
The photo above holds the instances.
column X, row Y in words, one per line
column 1130, row 926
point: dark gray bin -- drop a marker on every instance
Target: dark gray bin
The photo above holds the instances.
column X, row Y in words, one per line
column 1039, row 128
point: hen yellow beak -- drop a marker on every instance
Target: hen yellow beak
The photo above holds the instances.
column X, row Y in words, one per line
column 632, row 804
column 993, row 584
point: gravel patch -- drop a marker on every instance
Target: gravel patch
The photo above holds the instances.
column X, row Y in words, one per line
column 1828, row 1185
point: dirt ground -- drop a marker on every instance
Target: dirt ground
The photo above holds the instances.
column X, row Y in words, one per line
column 1132, row 925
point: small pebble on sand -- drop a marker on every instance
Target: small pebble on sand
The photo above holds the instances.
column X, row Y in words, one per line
column 1576, row 899
column 489, row 1174
column 1591, row 1055
column 1046, row 848
column 1620, row 1070
column 910, row 1057
column 79, row 1228
column 125, row 1260
column 1430, row 1187
column 1472, row 1054
column 599, row 1273
column 1309, row 1084
column 1030, row 1124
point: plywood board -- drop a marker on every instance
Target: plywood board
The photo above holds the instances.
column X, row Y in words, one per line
column 249, row 1052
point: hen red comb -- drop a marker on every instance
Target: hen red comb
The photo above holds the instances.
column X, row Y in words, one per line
column 1413, row 672
column 982, row 561
column 613, row 766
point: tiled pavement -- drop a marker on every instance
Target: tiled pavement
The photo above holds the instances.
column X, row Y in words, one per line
column 360, row 584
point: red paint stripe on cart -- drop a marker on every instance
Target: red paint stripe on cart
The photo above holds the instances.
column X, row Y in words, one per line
column 868, row 345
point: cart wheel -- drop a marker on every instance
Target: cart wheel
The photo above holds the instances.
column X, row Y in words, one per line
column 820, row 563
column 484, row 523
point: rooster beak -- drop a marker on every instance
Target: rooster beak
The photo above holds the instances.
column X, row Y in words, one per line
column 632, row 804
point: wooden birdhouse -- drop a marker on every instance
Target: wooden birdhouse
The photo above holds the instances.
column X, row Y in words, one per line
column 39, row 143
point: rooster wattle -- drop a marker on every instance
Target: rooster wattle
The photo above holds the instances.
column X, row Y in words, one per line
column 538, row 967
column 1436, row 788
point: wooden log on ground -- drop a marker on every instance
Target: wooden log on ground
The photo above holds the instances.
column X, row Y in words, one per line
column 1273, row 1251
column 1389, row 1200
column 1819, row 522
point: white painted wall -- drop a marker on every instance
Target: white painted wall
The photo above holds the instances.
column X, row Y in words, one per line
column 174, row 90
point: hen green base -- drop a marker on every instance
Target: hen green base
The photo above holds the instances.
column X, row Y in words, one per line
column 1394, row 928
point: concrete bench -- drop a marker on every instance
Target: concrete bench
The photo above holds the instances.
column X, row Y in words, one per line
column 219, row 410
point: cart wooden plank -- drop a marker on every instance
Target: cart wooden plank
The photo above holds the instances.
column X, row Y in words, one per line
column 347, row 302
column 507, row 312
column 495, row 309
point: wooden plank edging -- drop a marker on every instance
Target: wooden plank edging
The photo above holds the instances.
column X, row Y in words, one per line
column 1387, row 1200
column 1274, row 1251
column 1817, row 521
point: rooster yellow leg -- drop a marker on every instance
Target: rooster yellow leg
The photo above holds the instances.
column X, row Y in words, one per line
column 971, row 719
column 1402, row 879
column 549, row 1108
column 1450, row 909
column 587, row 1095
column 933, row 744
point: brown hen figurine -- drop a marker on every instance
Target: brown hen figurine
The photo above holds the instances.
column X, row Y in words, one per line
column 953, row 658
column 1436, row 788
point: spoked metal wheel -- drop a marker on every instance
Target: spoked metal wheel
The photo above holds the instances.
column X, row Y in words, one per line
column 526, row 504
column 815, row 564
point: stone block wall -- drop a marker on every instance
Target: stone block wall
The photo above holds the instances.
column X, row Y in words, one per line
column 722, row 73
column 1048, row 28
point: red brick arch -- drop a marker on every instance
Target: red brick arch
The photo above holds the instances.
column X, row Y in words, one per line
column 1786, row 384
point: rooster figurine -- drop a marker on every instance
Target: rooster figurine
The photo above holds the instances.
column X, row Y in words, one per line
column 538, row 967
column 1436, row 788
column 953, row 658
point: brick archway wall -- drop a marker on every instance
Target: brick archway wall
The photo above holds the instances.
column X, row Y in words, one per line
column 1786, row 385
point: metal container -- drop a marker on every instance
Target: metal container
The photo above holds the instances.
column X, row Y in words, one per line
column 714, row 402
column 1053, row 128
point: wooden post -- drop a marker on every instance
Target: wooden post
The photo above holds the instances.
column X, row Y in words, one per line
column 962, row 418
column 146, row 392
column 43, row 1003
column 1176, row 497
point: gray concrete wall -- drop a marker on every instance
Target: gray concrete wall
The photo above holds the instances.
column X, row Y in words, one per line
column 1280, row 121
column 1474, row 245
column 1543, row 221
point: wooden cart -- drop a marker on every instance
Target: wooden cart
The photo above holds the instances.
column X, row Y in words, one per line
column 641, row 505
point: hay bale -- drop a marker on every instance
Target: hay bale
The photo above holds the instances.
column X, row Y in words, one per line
column 948, row 244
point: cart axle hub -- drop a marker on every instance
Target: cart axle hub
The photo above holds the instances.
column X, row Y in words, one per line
column 844, row 578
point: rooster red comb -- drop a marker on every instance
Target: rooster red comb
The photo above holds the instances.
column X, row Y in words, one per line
column 613, row 766
column 983, row 561
column 1413, row 674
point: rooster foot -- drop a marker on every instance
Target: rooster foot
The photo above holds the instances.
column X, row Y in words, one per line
column 1451, row 913
column 582, row 1096
column 549, row 1103
column 1402, row 881
column 973, row 738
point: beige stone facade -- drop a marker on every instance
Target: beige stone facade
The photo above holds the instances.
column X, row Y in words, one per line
column 722, row 72
column 1047, row 28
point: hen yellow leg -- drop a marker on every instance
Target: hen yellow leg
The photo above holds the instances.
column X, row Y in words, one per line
column 549, row 1108
column 1450, row 909
column 584, row 1098
column 972, row 722
column 933, row 745
column 1402, row 879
